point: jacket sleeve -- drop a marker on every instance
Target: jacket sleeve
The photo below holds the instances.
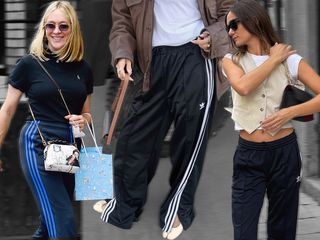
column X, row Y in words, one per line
column 122, row 36
column 220, row 44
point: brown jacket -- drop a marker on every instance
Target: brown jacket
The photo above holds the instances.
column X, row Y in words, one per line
column 133, row 26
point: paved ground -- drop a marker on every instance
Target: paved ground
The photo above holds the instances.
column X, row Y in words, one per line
column 213, row 220
column 308, row 223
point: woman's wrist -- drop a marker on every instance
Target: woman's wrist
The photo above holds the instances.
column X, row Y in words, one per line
column 87, row 116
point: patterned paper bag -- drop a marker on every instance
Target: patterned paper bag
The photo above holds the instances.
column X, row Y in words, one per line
column 94, row 180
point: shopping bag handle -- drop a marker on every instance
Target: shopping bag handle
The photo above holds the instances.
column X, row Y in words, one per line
column 93, row 135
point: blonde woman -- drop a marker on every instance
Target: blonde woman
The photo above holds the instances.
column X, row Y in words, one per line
column 58, row 44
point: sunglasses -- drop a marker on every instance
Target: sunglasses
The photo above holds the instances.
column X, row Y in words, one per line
column 63, row 27
column 233, row 24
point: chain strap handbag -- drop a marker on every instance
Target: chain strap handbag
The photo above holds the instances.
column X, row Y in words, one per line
column 59, row 155
column 294, row 94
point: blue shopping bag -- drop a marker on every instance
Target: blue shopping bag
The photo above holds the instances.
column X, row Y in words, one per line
column 94, row 180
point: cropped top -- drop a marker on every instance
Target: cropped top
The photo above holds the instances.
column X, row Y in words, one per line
column 249, row 111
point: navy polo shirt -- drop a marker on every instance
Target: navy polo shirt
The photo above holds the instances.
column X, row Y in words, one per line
column 74, row 78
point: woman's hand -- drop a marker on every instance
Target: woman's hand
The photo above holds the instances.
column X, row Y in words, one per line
column 76, row 120
column 280, row 52
column 203, row 41
column 277, row 120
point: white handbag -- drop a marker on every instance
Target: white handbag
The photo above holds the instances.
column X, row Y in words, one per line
column 61, row 158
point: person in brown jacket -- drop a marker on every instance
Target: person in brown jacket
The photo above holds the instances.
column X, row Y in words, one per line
column 176, row 44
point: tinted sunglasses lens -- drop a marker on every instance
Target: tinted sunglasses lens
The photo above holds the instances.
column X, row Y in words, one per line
column 62, row 27
column 233, row 24
column 50, row 26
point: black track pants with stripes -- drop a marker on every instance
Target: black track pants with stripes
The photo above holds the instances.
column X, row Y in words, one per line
column 182, row 92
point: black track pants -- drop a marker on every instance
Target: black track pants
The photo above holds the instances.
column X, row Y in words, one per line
column 272, row 168
column 182, row 91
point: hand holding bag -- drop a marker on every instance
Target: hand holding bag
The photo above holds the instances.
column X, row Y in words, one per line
column 293, row 95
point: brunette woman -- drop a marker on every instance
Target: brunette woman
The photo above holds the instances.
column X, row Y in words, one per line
column 267, row 158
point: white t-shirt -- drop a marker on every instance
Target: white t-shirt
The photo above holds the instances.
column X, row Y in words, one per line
column 176, row 22
column 293, row 65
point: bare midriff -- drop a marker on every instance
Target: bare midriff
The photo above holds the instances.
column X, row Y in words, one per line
column 260, row 135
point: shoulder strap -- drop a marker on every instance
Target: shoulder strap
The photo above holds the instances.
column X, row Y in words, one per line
column 288, row 75
column 291, row 80
column 41, row 136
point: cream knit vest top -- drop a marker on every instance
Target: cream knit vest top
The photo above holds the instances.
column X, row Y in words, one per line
column 248, row 111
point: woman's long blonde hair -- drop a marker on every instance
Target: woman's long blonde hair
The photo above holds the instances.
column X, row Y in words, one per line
column 73, row 49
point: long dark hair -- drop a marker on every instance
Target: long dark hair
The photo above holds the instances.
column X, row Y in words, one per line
column 256, row 20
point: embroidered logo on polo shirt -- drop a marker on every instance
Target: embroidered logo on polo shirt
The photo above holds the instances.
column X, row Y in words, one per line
column 78, row 76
